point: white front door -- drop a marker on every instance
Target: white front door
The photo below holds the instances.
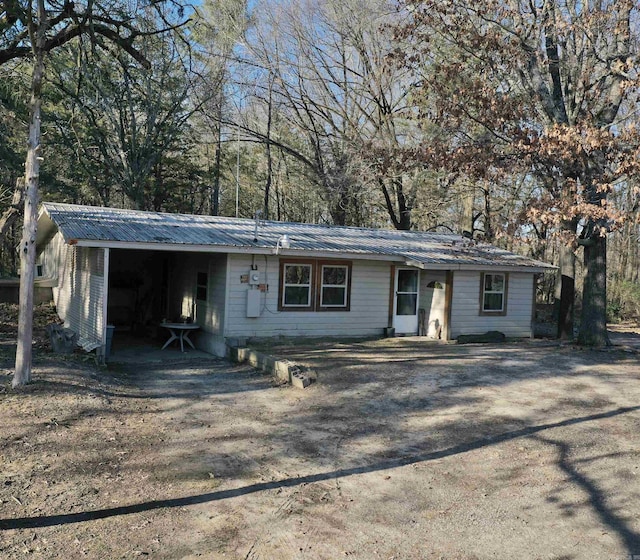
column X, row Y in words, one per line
column 405, row 302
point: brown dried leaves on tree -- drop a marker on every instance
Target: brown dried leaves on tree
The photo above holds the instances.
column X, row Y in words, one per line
column 541, row 89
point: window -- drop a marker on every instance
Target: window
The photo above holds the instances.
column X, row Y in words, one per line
column 39, row 273
column 333, row 291
column 493, row 294
column 202, row 281
column 314, row 285
column 297, row 285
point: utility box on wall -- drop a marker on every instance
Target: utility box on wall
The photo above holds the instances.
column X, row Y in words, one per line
column 253, row 303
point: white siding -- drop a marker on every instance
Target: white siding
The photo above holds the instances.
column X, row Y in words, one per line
column 208, row 314
column 465, row 306
column 433, row 301
column 368, row 315
column 51, row 257
column 80, row 292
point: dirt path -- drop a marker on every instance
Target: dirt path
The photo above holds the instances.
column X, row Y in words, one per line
column 403, row 450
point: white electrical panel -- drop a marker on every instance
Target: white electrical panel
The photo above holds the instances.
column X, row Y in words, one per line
column 253, row 303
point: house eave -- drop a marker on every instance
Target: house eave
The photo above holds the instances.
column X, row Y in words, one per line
column 498, row 267
column 231, row 249
column 301, row 253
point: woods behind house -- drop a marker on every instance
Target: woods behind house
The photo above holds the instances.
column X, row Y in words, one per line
column 516, row 122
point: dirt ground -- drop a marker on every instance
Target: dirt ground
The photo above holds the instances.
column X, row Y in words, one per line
column 404, row 449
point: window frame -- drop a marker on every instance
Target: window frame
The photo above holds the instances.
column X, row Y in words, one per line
column 283, row 285
column 199, row 285
column 505, row 291
column 316, row 284
column 321, row 264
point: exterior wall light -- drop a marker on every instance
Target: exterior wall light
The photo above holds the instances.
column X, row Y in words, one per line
column 283, row 243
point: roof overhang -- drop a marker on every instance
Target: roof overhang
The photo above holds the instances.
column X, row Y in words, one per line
column 233, row 249
column 301, row 253
column 499, row 267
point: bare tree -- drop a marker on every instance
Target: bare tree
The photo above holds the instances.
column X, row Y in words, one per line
column 336, row 88
column 32, row 30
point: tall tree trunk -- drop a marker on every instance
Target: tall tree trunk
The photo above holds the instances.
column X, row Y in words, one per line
column 489, row 235
column 24, row 348
column 401, row 218
column 566, row 292
column 267, row 186
column 214, row 202
column 593, row 324
column 15, row 209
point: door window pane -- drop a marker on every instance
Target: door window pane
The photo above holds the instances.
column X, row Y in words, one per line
column 408, row 281
column 407, row 304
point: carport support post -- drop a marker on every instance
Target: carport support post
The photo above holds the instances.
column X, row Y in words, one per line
column 105, row 301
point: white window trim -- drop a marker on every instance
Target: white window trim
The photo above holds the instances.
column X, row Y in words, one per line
column 344, row 286
column 501, row 292
column 285, row 286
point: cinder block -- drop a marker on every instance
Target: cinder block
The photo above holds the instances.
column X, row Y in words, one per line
column 243, row 355
column 268, row 363
column 238, row 355
column 300, row 380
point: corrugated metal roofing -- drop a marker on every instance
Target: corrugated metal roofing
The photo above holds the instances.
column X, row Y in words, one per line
column 104, row 225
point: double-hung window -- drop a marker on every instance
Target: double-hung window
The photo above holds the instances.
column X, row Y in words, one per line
column 314, row 285
column 333, row 290
column 493, row 294
column 296, row 292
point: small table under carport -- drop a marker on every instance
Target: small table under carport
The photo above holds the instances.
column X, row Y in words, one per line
column 180, row 331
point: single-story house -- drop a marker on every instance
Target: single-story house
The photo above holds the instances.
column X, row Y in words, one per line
column 238, row 278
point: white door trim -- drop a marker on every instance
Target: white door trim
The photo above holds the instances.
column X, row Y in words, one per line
column 405, row 324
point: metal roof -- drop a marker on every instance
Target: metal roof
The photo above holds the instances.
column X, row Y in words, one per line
column 105, row 227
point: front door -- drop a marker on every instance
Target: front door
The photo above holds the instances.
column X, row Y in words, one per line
column 405, row 307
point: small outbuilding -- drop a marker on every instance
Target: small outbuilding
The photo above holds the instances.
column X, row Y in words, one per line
column 238, row 278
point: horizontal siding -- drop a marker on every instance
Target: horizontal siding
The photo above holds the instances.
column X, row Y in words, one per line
column 368, row 315
column 80, row 293
column 51, row 257
column 465, row 306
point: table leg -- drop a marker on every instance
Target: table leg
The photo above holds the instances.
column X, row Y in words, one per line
column 171, row 339
column 181, row 343
column 188, row 340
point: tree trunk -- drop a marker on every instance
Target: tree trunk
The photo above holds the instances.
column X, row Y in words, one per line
column 402, row 217
column 593, row 322
column 489, row 235
column 24, row 348
column 267, row 186
column 566, row 292
column 11, row 214
column 214, row 204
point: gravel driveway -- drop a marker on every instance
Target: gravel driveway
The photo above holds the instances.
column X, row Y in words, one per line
column 404, row 449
